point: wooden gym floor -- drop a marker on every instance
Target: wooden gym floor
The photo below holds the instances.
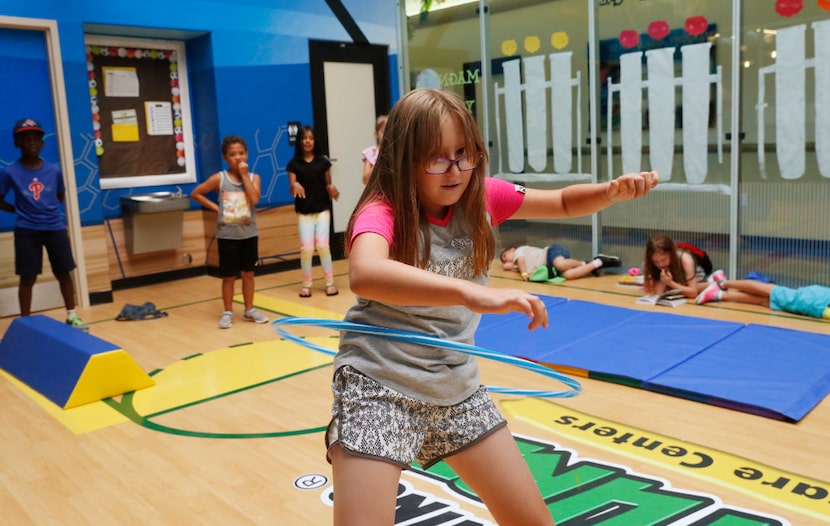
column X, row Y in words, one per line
column 232, row 431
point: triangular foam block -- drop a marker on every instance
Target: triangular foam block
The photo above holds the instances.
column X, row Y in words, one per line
column 66, row 365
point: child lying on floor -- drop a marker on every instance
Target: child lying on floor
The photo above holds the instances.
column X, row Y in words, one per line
column 526, row 260
column 811, row 300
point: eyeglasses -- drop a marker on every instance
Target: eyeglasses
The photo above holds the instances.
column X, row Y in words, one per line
column 465, row 163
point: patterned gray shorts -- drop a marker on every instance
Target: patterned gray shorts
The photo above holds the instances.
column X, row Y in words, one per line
column 369, row 419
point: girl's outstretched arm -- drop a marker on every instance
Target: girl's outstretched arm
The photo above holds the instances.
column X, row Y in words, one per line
column 373, row 276
column 585, row 199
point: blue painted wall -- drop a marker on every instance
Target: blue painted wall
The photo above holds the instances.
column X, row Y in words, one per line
column 29, row 95
column 248, row 72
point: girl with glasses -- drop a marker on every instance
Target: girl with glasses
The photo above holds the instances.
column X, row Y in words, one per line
column 420, row 245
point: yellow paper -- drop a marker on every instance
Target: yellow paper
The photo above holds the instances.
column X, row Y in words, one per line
column 125, row 125
column 124, row 132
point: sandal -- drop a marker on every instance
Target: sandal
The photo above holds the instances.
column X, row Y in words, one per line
column 331, row 290
column 305, row 292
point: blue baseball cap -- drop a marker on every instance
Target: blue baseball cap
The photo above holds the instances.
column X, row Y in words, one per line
column 24, row 125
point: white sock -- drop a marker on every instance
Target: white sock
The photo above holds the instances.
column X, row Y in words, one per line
column 70, row 313
column 597, row 263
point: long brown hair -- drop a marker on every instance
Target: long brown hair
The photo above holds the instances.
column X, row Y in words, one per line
column 663, row 243
column 411, row 138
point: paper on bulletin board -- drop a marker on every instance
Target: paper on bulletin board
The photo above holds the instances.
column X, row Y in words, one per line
column 159, row 117
column 120, row 82
column 124, row 126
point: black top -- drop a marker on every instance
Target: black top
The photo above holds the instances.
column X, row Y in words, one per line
column 312, row 176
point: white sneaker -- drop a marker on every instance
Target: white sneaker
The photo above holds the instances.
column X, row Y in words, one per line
column 226, row 321
column 255, row 316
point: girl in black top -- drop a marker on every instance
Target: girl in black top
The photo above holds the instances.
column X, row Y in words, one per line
column 309, row 175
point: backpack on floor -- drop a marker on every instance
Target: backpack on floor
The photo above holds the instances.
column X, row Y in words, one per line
column 700, row 256
column 140, row 312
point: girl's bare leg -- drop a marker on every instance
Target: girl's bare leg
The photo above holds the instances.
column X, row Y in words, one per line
column 365, row 490
column 495, row 469
column 749, row 286
column 228, row 285
column 745, row 291
column 248, row 289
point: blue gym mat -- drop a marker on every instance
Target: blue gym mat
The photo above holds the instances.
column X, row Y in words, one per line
column 772, row 372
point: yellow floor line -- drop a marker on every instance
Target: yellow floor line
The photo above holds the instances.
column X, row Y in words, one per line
column 79, row 420
column 226, row 370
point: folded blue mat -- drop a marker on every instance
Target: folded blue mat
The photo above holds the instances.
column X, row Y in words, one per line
column 777, row 373
column 763, row 370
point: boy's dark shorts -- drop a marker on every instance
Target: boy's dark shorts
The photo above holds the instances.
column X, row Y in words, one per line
column 237, row 255
column 553, row 252
column 374, row 421
column 28, row 251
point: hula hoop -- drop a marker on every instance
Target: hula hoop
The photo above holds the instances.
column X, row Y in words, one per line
column 410, row 337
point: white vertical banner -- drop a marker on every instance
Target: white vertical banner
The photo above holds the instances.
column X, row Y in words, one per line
column 821, row 36
column 790, row 103
column 537, row 112
column 561, row 103
column 695, row 111
column 631, row 111
column 661, row 110
column 513, row 116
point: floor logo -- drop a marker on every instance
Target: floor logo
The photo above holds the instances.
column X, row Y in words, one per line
column 578, row 491
column 416, row 507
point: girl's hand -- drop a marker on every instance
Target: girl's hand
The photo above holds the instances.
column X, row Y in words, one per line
column 632, row 186
column 666, row 277
column 334, row 193
column 242, row 168
column 297, row 190
column 487, row 300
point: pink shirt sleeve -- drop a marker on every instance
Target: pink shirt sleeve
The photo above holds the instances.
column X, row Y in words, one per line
column 503, row 199
column 376, row 218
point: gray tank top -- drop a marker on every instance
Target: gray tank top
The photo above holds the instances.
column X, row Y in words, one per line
column 237, row 218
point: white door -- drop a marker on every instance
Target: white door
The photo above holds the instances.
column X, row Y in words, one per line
column 32, row 58
column 350, row 106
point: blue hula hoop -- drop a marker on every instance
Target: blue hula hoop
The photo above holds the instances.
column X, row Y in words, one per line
column 393, row 334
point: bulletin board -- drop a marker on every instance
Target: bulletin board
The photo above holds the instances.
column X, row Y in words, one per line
column 140, row 112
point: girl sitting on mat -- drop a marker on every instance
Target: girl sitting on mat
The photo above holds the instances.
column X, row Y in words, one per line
column 812, row 300
column 669, row 265
column 420, row 245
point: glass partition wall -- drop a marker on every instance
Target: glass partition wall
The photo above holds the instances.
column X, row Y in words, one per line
column 723, row 100
column 665, row 89
column 784, row 209
column 539, row 109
